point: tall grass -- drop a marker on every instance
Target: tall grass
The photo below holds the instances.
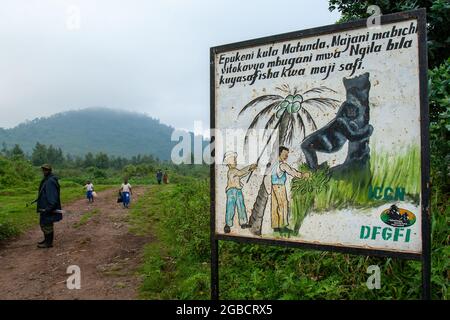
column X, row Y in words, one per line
column 176, row 263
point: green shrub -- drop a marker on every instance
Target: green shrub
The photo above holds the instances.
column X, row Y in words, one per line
column 16, row 172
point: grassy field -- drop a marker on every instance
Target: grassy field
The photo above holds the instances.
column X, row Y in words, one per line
column 177, row 262
column 16, row 217
column 19, row 181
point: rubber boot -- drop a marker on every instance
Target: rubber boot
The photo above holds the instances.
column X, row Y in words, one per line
column 48, row 242
column 41, row 242
column 50, row 239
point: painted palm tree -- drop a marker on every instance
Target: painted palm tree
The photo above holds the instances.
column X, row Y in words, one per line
column 286, row 114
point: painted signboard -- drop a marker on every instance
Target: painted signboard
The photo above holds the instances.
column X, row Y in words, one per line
column 319, row 137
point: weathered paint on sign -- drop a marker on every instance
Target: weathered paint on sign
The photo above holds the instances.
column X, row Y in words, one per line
column 345, row 108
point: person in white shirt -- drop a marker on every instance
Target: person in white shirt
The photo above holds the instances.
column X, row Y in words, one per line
column 235, row 197
column 89, row 191
column 126, row 193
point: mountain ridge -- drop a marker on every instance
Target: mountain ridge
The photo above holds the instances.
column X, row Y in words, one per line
column 96, row 129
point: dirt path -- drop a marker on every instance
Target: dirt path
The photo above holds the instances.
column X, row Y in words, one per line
column 100, row 244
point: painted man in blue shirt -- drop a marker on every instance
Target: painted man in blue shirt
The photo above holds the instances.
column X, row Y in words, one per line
column 280, row 203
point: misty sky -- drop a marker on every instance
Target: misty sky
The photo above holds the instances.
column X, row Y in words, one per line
column 145, row 56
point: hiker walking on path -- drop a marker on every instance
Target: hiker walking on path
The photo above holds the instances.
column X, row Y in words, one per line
column 48, row 205
column 166, row 177
column 159, row 176
column 126, row 193
column 89, row 191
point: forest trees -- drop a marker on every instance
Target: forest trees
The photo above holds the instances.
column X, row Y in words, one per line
column 98, row 165
column 16, row 152
column 43, row 154
column 438, row 20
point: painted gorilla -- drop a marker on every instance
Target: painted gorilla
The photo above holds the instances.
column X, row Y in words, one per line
column 351, row 123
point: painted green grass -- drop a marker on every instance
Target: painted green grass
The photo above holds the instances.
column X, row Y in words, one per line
column 16, row 217
column 320, row 194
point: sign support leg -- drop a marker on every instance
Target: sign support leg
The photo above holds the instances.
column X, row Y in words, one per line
column 426, row 257
column 214, row 269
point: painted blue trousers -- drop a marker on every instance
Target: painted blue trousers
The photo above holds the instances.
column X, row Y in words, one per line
column 235, row 200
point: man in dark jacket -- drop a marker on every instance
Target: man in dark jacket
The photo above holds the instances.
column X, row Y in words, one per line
column 48, row 205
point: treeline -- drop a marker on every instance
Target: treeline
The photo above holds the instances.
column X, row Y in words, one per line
column 99, row 165
column 49, row 154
